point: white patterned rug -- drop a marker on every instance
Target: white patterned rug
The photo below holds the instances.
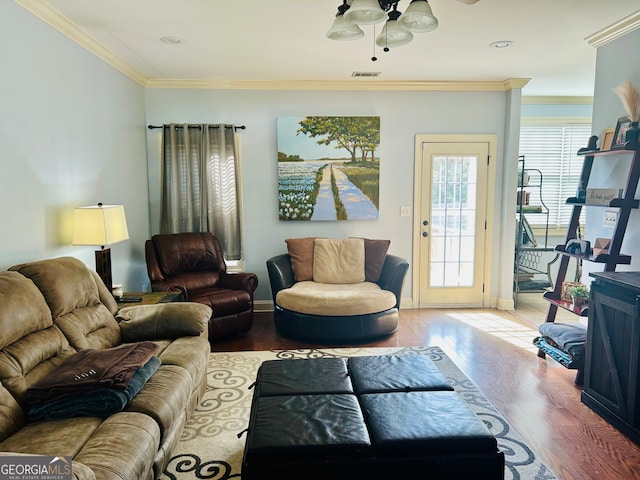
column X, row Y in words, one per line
column 211, row 448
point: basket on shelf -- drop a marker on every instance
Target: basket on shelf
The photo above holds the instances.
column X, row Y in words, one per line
column 564, row 295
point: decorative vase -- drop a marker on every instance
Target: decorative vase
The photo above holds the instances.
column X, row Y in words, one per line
column 631, row 134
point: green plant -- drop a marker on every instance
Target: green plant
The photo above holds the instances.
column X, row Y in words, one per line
column 578, row 291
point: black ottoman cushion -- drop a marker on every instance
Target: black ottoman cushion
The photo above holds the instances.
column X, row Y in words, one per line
column 425, row 423
column 303, row 376
column 387, row 373
column 295, row 428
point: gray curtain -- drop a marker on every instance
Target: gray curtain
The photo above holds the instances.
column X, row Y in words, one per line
column 200, row 191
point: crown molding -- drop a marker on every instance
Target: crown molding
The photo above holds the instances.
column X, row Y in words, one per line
column 557, row 100
column 361, row 85
column 52, row 17
column 49, row 15
column 511, row 83
column 615, row 30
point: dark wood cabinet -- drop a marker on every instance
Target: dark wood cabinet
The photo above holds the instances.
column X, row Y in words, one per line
column 612, row 356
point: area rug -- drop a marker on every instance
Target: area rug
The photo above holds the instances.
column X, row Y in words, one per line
column 213, row 440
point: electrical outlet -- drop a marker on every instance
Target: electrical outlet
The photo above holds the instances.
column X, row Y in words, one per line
column 610, row 218
column 405, row 211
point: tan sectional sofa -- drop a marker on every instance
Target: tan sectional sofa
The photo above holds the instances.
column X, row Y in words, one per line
column 52, row 309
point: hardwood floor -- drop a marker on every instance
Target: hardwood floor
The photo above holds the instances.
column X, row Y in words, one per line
column 537, row 396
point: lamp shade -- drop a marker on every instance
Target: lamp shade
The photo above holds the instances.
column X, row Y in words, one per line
column 365, row 12
column 99, row 225
column 418, row 17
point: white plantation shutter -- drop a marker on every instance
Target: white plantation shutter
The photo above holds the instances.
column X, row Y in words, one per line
column 552, row 149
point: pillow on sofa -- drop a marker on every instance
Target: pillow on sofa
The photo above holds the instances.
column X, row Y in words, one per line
column 163, row 320
column 375, row 251
column 301, row 252
column 338, row 261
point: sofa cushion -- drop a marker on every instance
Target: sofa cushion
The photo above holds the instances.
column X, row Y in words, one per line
column 57, row 437
column 301, row 252
column 12, row 416
column 31, row 347
column 164, row 320
column 76, row 301
column 338, row 261
column 123, row 446
column 164, row 397
column 335, row 299
column 23, row 309
column 190, row 353
column 375, row 251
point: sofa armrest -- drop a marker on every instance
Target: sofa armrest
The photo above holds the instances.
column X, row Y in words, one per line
column 280, row 273
column 169, row 286
column 393, row 274
column 240, row 281
column 163, row 321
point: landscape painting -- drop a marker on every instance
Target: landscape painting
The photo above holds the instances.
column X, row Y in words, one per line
column 328, row 168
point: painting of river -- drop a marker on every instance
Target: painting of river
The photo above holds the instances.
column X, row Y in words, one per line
column 328, row 168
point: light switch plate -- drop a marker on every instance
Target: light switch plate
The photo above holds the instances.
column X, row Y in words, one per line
column 405, row 211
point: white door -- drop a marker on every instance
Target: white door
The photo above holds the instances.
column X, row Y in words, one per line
column 453, row 220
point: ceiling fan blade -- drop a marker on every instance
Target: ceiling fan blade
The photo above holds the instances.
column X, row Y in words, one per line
column 468, row 2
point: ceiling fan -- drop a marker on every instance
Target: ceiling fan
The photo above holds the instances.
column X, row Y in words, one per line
column 387, row 4
column 399, row 27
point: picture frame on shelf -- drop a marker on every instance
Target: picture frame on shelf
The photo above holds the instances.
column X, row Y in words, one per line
column 622, row 126
column 607, row 138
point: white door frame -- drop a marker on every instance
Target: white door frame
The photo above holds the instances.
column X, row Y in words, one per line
column 420, row 139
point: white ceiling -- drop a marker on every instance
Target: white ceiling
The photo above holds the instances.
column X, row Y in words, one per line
column 253, row 43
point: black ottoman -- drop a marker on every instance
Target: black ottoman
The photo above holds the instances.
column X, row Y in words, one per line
column 370, row 417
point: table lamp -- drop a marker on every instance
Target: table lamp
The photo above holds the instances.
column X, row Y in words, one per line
column 100, row 225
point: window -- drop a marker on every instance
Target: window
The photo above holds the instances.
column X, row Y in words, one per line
column 201, row 184
column 552, row 149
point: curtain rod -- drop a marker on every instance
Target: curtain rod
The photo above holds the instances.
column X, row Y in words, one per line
column 235, row 127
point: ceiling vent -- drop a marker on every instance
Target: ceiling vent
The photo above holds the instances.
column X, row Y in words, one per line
column 366, row 74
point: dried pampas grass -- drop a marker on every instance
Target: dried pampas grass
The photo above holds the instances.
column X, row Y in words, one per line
column 630, row 97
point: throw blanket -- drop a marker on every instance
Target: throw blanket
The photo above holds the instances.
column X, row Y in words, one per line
column 100, row 402
column 564, row 342
column 91, row 369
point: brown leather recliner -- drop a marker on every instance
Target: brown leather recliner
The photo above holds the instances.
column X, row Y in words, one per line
column 193, row 264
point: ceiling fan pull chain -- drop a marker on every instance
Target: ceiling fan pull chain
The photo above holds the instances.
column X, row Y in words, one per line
column 374, row 58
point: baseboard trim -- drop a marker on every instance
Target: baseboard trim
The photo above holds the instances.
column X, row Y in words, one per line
column 505, row 304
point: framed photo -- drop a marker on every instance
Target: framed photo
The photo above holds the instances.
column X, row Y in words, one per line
column 607, row 138
column 621, row 129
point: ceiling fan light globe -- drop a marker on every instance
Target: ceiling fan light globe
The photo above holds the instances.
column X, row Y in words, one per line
column 393, row 35
column 365, row 12
column 418, row 17
column 344, row 30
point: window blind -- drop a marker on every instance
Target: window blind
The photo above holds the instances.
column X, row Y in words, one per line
column 552, row 149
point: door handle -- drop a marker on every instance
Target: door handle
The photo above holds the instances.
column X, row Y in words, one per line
column 425, row 234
